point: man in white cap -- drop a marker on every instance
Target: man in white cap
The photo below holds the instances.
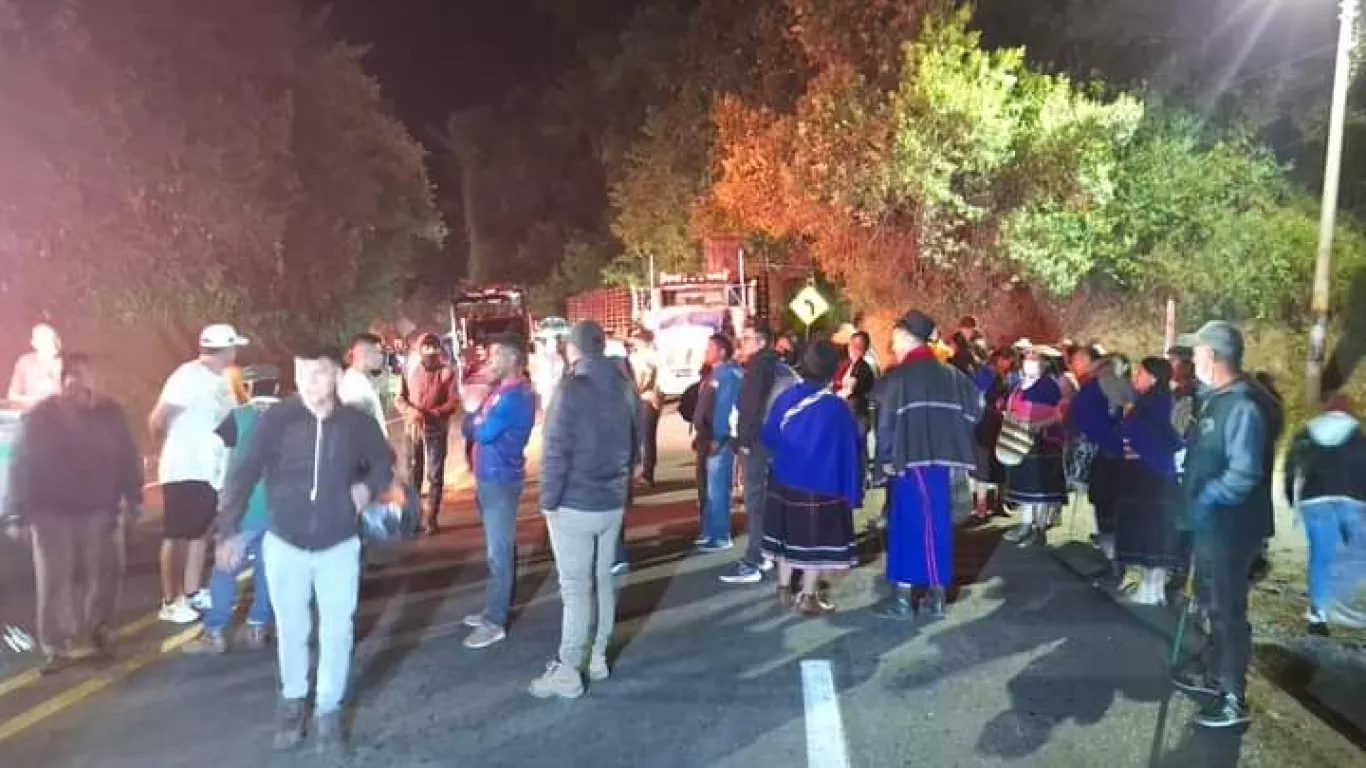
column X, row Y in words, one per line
column 38, row 374
column 193, row 402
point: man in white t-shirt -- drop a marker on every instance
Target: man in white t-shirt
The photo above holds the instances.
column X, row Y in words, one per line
column 38, row 374
column 364, row 359
column 193, row 402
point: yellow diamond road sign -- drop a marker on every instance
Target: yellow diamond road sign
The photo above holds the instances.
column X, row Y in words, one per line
column 809, row 305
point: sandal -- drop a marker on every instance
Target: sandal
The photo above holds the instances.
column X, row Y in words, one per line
column 813, row 604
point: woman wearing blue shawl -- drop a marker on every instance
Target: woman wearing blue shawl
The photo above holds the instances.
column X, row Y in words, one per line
column 1148, row 499
column 816, row 481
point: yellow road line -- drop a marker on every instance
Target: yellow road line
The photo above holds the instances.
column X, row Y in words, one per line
column 72, row 696
column 30, row 676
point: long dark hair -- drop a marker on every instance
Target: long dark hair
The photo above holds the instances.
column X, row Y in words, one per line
column 1161, row 371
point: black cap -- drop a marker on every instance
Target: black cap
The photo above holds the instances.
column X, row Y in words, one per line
column 918, row 324
column 820, row 361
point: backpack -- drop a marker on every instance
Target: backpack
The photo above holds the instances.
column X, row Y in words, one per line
column 687, row 403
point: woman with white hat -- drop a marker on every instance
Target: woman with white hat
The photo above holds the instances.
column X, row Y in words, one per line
column 1036, row 483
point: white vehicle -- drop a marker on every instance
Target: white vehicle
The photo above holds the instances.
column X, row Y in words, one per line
column 681, row 335
column 9, row 433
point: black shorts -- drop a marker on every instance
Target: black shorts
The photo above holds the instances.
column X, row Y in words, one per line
column 189, row 509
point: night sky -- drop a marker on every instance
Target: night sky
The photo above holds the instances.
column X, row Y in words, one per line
column 435, row 56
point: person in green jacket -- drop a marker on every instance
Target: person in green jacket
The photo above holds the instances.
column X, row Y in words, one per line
column 263, row 386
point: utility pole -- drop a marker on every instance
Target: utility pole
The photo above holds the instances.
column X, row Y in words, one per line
column 1323, row 263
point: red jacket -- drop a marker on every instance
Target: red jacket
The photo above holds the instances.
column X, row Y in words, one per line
column 435, row 393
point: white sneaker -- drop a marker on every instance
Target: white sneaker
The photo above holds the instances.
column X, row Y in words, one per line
column 766, row 565
column 178, row 612
column 474, row 620
column 201, row 601
column 1348, row 618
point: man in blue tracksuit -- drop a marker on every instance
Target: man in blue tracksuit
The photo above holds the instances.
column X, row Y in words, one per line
column 498, row 429
column 263, row 387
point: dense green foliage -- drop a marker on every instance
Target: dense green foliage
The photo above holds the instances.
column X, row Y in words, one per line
column 918, row 163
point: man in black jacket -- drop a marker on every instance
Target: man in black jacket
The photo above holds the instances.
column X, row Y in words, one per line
column 590, row 450
column 74, row 465
column 761, row 367
column 1228, row 484
column 322, row 463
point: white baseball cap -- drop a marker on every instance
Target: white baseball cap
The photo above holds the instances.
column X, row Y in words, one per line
column 221, row 336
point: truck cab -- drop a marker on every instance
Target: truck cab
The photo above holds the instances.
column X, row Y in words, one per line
column 686, row 310
column 479, row 314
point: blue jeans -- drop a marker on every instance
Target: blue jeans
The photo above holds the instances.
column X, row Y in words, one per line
column 297, row 577
column 498, row 513
column 223, row 588
column 720, row 477
column 1337, row 549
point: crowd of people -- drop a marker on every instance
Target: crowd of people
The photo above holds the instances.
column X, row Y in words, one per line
column 1175, row 454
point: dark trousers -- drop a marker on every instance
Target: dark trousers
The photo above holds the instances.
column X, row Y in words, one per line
column 648, row 427
column 427, row 454
column 1103, row 491
column 1221, row 573
column 78, row 565
column 700, row 477
column 756, row 464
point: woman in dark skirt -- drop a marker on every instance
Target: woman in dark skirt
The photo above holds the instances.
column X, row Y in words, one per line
column 1037, row 484
column 816, row 481
column 1148, row 497
column 987, row 475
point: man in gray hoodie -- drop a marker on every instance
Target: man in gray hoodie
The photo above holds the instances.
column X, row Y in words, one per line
column 590, row 450
column 322, row 462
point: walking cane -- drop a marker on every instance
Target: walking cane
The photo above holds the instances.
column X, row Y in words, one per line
column 1187, row 608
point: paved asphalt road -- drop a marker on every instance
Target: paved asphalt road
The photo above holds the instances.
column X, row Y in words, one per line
column 1033, row 667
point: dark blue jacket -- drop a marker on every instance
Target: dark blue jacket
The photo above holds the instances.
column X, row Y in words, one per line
column 1229, row 465
column 499, row 433
column 1149, row 434
column 1090, row 415
column 590, row 439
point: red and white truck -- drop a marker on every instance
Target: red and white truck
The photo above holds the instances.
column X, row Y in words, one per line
column 683, row 311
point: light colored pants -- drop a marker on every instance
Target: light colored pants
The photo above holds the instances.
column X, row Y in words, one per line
column 585, row 544
column 296, row 577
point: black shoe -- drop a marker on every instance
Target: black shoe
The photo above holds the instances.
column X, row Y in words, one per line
column 289, row 724
column 1197, row 681
column 329, row 739
column 897, row 607
column 932, row 607
column 55, row 663
column 1230, row 712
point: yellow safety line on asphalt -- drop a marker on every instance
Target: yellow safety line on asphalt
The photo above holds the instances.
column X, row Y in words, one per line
column 30, row 676
column 69, row 698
